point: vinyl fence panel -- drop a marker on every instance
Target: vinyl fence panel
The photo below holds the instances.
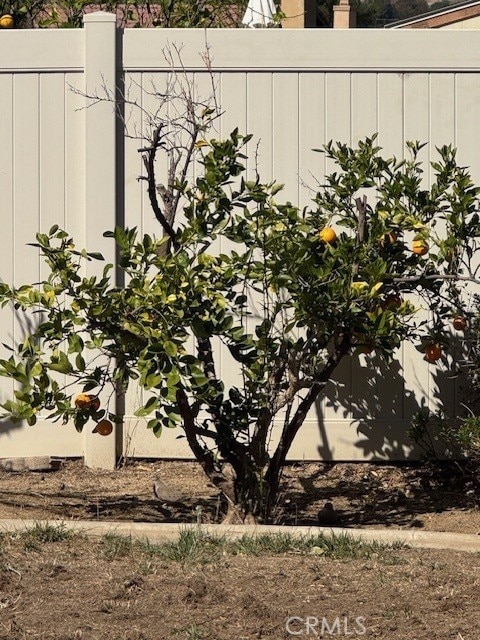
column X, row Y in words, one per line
column 294, row 90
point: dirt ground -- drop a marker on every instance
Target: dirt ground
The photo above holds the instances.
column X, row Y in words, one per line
column 365, row 495
column 81, row 589
column 78, row 589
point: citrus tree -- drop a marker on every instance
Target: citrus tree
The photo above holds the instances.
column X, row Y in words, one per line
column 345, row 275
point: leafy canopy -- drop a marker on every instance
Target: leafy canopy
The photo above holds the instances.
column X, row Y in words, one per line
column 307, row 303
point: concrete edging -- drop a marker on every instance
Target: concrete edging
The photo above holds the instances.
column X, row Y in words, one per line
column 159, row 532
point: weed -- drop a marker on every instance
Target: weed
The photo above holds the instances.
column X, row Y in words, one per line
column 115, row 546
column 42, row 533
column 197, row 547
column 192, row 546
column 193, row 632
column 337, row 546
column 276, row 543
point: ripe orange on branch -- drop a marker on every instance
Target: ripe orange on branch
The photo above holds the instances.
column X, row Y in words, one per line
column 327, row 235
column 420, row 247
column 433, row 352
column 88, row 401
column 459, row 323
column 104, row 428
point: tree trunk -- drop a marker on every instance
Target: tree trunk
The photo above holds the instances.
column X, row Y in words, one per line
column 291, row 428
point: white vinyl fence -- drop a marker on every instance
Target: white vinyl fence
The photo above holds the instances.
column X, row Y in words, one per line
column 62, row 163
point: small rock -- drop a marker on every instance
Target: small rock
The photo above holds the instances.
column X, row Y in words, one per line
column 317, row 551
column 34, row 463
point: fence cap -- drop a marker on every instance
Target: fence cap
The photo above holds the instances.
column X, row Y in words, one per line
column 99, row 16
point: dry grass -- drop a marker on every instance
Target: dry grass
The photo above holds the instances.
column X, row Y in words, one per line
column 68, row 587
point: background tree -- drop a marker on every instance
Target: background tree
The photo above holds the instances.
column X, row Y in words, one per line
column 373, row 13
column 164, row 13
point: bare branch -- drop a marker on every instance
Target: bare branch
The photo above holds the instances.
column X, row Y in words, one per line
column 149, row 161
column 361, row 204
column 436, row 276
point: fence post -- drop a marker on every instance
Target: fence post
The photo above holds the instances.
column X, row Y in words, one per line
column 100, row 177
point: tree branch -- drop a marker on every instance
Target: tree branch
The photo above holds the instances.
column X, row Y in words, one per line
column 204, row 455
column 149, row 161
column 290, row 429
column 361, row 204
column 436, row 276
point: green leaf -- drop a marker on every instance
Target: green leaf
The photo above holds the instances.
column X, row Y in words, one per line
column 36, row 370
column 152, row 380
column 80, row 362
column 63, row 365
column 170, row 348
column 150, row 405
column 153, row 424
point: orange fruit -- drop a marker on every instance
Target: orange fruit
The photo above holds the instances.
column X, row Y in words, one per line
column 104, row 427
column 420, row 247
column 7, row 22
column 94, row 403
column 459, row 323
column 83, row 401
column 327, row 235
column 87, row 401
column 433, row 352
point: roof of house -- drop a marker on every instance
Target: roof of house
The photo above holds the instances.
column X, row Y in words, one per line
column 444, row 16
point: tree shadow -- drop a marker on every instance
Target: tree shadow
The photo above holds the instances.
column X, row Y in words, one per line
column 369, row 494
column 80, row 505
column 374, row 396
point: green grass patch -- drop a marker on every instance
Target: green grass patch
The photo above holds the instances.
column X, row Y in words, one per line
column 192, row 546
column 114, row 546
column 43, row 533
column 196, row 547
column 336, row 546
